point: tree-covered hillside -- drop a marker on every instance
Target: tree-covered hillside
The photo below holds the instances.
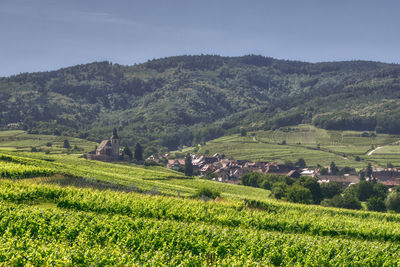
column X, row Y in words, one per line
column 188, row 99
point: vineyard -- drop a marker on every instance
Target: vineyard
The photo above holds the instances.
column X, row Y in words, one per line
column 50, row 225
column 15, row 170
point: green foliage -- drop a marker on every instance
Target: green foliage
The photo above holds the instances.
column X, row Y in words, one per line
column 208, row 192
column 347, row 201
column 376, row 204
column 299, row 194
column 15, row 170
column 114, row 228
column 392, row 201
column 188, row 100
column 188, row 165
column 66, row 144
column 331, row 189
column 138, row 152
column 126, row 151
column 333, row 168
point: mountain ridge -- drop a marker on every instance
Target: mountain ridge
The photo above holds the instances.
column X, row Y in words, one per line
column 183, row 100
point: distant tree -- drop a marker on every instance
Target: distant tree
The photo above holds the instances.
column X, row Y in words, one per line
column 334, row 169
column 357, row 158
column 347, row 201
column 365, row 190
column 389, row 165
column 301, row 163
column 331, row 189
column 376, row 204
column 362, row 175
column 49, row 144
column 299, row 194
column 188, row 165
column 324, row 171
column 34, row 149
column 314, row 187
column 66, row 144
column 138, row 152
column 368, row 173
column 279, row 190
column 380, row 190
column 128, row 152
column 392, row 201
column 243, row 132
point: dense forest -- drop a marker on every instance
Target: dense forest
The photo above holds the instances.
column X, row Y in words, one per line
column 184, row 100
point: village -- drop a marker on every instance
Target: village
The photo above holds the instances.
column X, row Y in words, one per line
column 229, row 170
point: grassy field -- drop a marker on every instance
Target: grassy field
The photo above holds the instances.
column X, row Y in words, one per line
column 22, row 141
column 316, row 146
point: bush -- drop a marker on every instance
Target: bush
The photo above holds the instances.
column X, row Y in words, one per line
column 348, row 201
column 392, row 201
column 208, row 192
column 299, row 194
column 279, row 190
column 376, row 204
column 331, row 189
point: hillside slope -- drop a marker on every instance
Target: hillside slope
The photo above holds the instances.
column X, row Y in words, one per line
column 188, row 99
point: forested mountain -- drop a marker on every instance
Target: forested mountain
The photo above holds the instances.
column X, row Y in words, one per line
column 189, row 99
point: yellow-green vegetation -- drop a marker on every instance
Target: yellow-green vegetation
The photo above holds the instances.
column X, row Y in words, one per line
column 52, row 225
column 314, row 145
column 15, row 170
column 22, row 141
column 142, row 178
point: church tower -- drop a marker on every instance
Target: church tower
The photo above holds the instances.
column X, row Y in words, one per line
column 115, row 144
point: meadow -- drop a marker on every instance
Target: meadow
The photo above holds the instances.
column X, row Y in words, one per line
column 316, row 146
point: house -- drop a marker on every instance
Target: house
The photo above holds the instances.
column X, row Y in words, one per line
column 346, row 179
column 207, row 168
column 175, row 164
column 293, row 174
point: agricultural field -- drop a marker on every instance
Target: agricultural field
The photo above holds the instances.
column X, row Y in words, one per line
column 22, row 141
column 316, row 146
column 53, row 225
column 61, row 209
column 128, row 176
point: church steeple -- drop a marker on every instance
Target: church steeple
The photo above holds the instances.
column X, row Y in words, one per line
column 114, row 135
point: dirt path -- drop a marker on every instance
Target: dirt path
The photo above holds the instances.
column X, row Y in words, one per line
column 372, row 151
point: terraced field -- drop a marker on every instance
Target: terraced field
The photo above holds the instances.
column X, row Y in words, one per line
column 316, row 146
column 22, row 141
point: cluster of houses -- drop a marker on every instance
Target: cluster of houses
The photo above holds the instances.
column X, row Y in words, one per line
column 230, row 170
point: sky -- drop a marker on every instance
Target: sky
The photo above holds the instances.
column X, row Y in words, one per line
column 41, row 35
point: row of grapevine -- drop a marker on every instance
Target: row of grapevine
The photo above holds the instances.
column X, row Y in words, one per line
column 16, row 170
column 42, row 236
column 277, row 216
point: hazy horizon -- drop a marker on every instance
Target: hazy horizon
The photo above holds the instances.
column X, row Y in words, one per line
column 46, row 35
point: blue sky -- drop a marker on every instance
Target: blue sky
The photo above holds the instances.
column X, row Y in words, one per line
column 38, row 35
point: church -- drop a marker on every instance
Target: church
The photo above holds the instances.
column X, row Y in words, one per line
column 108, row 150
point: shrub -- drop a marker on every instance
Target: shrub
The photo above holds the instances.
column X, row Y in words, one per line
column 376, row 204
column 279, row 190
column 208, row 192
column 299, row 194
column 392, row 201
column 331, row 189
